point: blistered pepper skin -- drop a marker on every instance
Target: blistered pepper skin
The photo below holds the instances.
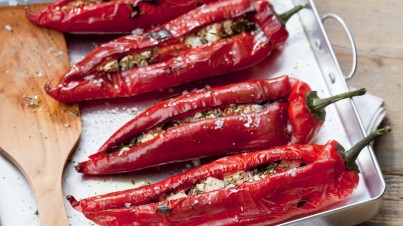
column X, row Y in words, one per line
column 120, row 16
column 84, row 82
column 178, row 107
column 245, row 132
column 322, row 181
column 286, row 117
column 209, row 137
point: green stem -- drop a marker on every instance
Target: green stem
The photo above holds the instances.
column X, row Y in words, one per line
column 317, row 105
column 352, row 154
column 284, row 17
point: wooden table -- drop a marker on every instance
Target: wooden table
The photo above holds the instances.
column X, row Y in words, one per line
column 377, row 27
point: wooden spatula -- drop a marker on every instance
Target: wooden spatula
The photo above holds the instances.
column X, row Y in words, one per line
column 36, row 133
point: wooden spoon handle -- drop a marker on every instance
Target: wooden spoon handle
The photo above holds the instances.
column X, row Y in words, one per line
column 51, row 204
column 37, row 133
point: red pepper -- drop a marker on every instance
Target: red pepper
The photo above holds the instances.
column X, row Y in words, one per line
column 246, row 32
column 244, row 116
column 286, row 181
column 102, row 16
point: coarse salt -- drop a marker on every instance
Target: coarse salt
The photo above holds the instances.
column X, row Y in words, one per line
column 58, row 54
column 218, row 123
column 8, row 27
column 39, row 73
column 196, row 162
column 248, row 124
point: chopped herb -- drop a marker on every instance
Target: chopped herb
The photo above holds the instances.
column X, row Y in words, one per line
column 271, row 168
column 284, row 166
column 36, row 213
column 75, row 112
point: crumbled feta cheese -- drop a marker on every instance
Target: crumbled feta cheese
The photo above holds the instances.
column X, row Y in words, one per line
column 198, row 115
column 178, row 195
column 193, row 41
column 213, row 183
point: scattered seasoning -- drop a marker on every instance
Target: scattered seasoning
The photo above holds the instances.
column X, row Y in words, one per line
column 75, row 112
column 33, row 101
column 36, row 213
column 58, row 54
column 133, row 111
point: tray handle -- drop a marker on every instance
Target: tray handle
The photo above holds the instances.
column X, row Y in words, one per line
column 350, row 38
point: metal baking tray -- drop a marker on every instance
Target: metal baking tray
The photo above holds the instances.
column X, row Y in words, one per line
column 307, row 55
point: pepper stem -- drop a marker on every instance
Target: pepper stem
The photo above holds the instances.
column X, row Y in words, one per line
column 284, row 17
column 352, row 154
column 317, row 105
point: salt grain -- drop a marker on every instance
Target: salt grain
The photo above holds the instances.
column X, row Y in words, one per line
column 218, row 123
column 196, row 162
column 39, row 73
column 248, row 124
column 293, row 172
column 51, row 49
column 8, row 27
column 58, row 54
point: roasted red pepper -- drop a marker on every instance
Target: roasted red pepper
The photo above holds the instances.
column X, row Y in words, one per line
column 116, row 16
column 263, row 187
column 244, row 116
column 218, row 38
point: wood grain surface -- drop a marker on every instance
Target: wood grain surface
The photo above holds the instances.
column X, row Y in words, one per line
column 377, row 27
column 37, row 133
